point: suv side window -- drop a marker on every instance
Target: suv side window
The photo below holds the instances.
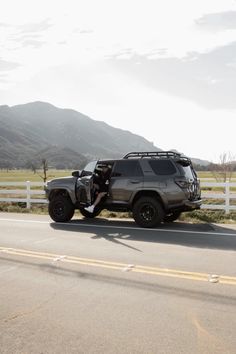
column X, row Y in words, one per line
column 162, row 167
column 127, row 169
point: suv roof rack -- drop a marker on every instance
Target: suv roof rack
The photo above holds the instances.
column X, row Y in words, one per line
column 165, row 154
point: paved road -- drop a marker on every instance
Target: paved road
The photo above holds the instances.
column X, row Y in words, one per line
column 105, row 286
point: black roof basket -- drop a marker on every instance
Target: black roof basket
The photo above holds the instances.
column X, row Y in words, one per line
column 184, row 160
column 153, row 154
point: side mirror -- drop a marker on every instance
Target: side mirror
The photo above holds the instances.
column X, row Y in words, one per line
column 76, row 174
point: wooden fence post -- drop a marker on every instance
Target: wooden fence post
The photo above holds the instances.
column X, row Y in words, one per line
column 28, row 204
column 227, row 197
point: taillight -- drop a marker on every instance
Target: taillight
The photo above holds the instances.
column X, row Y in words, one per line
column 182, row 183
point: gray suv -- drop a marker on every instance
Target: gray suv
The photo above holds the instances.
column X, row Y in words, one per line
column 155, row 186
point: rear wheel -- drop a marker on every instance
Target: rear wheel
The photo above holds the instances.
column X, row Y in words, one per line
column 89, row 215
column 172, row 216
column 148, row 212
column 61, row 209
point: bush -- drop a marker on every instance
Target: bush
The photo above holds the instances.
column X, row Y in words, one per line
column 215, row 216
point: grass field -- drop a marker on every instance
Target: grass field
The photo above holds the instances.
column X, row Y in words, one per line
column 28, row 175
column 208, row 174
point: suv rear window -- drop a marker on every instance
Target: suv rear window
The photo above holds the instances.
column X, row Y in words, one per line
column 162, row 167
column 188, row 172
column 127, row 169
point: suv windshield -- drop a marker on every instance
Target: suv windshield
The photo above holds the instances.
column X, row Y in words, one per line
column 90, row 167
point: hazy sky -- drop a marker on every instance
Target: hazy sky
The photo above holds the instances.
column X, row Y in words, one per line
column 163, row 69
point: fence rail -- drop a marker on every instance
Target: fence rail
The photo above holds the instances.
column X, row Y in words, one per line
column 28, row 190
column 226, row 194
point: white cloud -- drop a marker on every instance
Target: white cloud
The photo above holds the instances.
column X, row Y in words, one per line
column 63, row 59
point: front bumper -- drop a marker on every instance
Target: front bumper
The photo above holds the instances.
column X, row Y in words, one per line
column 46, row 192
column 193, row 204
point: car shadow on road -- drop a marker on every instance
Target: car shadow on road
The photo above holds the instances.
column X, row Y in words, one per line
column 178, row 233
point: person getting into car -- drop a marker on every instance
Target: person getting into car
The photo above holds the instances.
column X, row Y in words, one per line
column 101, row 184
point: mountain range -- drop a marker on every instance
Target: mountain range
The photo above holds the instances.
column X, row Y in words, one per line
column 65, row 137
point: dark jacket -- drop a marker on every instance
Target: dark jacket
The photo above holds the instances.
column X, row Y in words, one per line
column 102, row 179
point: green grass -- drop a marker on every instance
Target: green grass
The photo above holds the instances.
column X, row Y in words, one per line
column 209, row 174
column 209, row 216
column 196, row 217
column 27, row 175
column 43, row 210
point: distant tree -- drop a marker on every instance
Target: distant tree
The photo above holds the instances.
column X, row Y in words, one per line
column 45, row 169
column 6, row 165
column 223, row 170
column 44, row 164
column 32, row 165
column 199, row 167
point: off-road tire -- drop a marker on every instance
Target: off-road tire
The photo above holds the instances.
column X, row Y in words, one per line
column 61, row 209
column 148, row 212
column 89, row 215
column 172, row 216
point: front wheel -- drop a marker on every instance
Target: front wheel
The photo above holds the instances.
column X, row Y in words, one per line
column 148, row 212
column 172, row 216
column 61, row 209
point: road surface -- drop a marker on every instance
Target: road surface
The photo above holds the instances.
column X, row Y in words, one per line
column 106, row 286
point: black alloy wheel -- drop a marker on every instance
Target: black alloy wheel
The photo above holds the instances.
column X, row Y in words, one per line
column 61, row 209
column 148, row 212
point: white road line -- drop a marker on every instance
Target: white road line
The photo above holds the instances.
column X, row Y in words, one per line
column 27, row 221
column 121, row 227
column 9, row 269
column 45, row 240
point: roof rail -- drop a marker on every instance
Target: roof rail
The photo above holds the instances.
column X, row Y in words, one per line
column 152, row 154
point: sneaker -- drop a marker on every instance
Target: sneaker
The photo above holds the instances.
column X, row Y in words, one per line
column 90, row 209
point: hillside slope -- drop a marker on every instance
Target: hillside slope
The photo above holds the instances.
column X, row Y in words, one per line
column 65, row 137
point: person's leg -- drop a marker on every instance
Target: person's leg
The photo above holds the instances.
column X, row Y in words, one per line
column 99, row 197
column 97, row 201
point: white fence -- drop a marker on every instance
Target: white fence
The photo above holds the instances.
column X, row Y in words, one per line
column 28, row 189
column 224, row 193
column 24, row 194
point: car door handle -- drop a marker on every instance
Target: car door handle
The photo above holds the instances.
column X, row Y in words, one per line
column 135, row 181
